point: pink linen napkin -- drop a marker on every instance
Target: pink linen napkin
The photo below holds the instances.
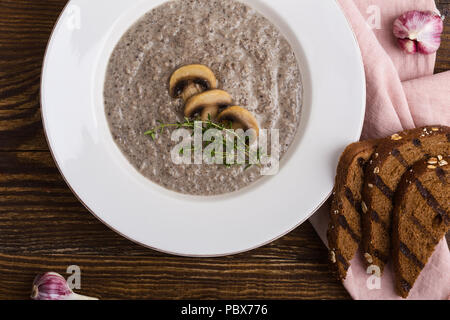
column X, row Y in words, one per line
column 402, row 93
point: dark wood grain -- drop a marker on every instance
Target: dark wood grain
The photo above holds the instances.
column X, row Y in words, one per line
column 443, row 57
column 43, row 227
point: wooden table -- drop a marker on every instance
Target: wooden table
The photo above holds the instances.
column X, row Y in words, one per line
column 43, row 227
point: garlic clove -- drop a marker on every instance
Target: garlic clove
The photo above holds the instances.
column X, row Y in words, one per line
column 409, row 46
column 429, row 42
column 53, row 286
column 419, row 31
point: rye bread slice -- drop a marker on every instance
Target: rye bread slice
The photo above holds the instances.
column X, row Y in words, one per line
column 344, row 230
column 392, row 158
column 421, row 218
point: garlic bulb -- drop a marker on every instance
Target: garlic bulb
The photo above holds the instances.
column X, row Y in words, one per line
column 53, row 286
column 419, row 31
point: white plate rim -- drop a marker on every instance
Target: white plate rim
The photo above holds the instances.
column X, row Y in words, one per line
column 354, row 136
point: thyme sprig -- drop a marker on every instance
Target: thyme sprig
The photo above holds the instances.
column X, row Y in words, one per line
column 252, row 157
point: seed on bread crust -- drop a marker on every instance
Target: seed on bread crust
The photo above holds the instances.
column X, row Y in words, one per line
column 364, row 207
column 332, row 256
column 368, row 258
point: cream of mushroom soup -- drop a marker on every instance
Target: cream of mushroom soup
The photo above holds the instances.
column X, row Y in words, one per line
column 251, row 59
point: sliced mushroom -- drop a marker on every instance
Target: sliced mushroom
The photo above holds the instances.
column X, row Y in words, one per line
column 207, row 104
column 190, row 80
column 240, row 118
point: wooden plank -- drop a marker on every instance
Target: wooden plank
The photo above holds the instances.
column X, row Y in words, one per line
column 43, row 226
column 178, row 278
column 443, row 56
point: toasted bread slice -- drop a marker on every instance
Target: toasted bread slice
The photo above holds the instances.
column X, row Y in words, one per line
column 392, row 158
column 421, row 218
column 344, row 230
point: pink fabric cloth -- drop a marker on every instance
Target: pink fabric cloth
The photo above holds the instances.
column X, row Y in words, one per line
column 402, row 93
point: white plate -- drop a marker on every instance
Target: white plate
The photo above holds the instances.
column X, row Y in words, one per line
column 101, row 177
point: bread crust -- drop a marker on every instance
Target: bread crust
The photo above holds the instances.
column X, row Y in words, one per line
column 391, row 159
column 344, row 230
column 421, row 218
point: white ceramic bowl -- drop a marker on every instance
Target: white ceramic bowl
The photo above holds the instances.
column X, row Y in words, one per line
column 101, row 177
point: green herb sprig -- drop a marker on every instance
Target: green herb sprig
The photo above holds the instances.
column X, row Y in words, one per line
column 251, row 156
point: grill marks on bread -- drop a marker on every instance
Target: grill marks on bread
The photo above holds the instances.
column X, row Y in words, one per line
column 420, row 220
column 344, row 231
column 394, row 190
column 391, row 159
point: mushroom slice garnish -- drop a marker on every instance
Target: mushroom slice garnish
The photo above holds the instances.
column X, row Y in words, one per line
column 190, row 80
column 240, row 118
column 207, row 104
